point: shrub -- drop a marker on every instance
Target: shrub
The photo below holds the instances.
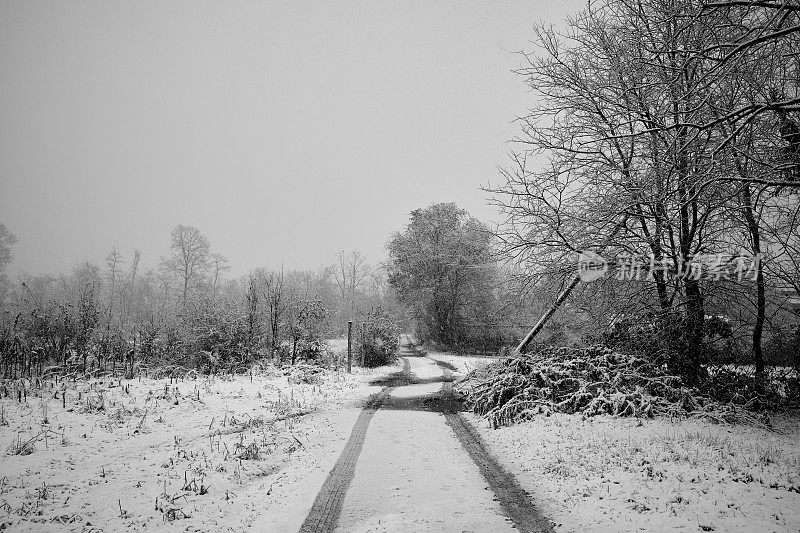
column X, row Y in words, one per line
column 782, row 348
column 378, row 338
column 663, row 337
column 309, row 350
column 598, row 380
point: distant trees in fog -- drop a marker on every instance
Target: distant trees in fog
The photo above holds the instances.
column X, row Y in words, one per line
column 190, row 257
column 184, row 311
column 7, row 240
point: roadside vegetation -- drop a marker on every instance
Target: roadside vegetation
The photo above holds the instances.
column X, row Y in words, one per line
column 184, row 315
column 662, row 137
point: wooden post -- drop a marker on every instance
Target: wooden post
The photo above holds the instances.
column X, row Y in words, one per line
column 349, row 346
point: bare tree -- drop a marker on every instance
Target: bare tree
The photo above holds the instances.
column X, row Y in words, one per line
column 189, row 259
column 351, row 272
column 273, row 293
column 745, row 35
column 782, row 227
column 755, row 28
column 620, row 97
column 219, row 264
column 113, row 262
column 130, row 296
column 253, row 317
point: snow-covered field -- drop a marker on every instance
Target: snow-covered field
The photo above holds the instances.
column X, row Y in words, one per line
column 239, row 454
column 620, row 474
column 605, row 474
column 211, row 454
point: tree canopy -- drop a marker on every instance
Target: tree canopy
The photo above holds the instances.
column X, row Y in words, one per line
column 441, row 267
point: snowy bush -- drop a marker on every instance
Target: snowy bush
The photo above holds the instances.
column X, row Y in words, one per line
column 378, row 338
column 599, row 380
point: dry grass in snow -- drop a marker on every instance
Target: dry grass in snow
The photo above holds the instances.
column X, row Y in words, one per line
column 615, row 474
column 186, row 455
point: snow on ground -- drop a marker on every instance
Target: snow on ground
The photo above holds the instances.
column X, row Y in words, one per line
column 620, row 474
column 231, row 454
column 463, row 364
column 211, row 454
column 604, row 473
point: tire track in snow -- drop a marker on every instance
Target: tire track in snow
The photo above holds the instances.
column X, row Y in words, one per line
column 513, row 499
column 327, row 505
column 515, row 502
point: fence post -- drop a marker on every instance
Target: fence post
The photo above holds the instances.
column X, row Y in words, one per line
column 349, row 346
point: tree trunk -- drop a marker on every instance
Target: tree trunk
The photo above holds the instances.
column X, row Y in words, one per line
column 695, row 318
column 689, row 364
column 185, row 292
column 761, row 302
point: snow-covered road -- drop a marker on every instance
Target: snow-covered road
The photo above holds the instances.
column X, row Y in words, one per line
column 412, row 465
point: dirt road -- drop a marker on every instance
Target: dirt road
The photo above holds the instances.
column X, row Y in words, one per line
column 413, row 464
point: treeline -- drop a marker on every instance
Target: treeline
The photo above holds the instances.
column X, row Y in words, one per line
column 187, row 311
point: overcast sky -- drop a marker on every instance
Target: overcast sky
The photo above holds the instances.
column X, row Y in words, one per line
column 284, row 131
